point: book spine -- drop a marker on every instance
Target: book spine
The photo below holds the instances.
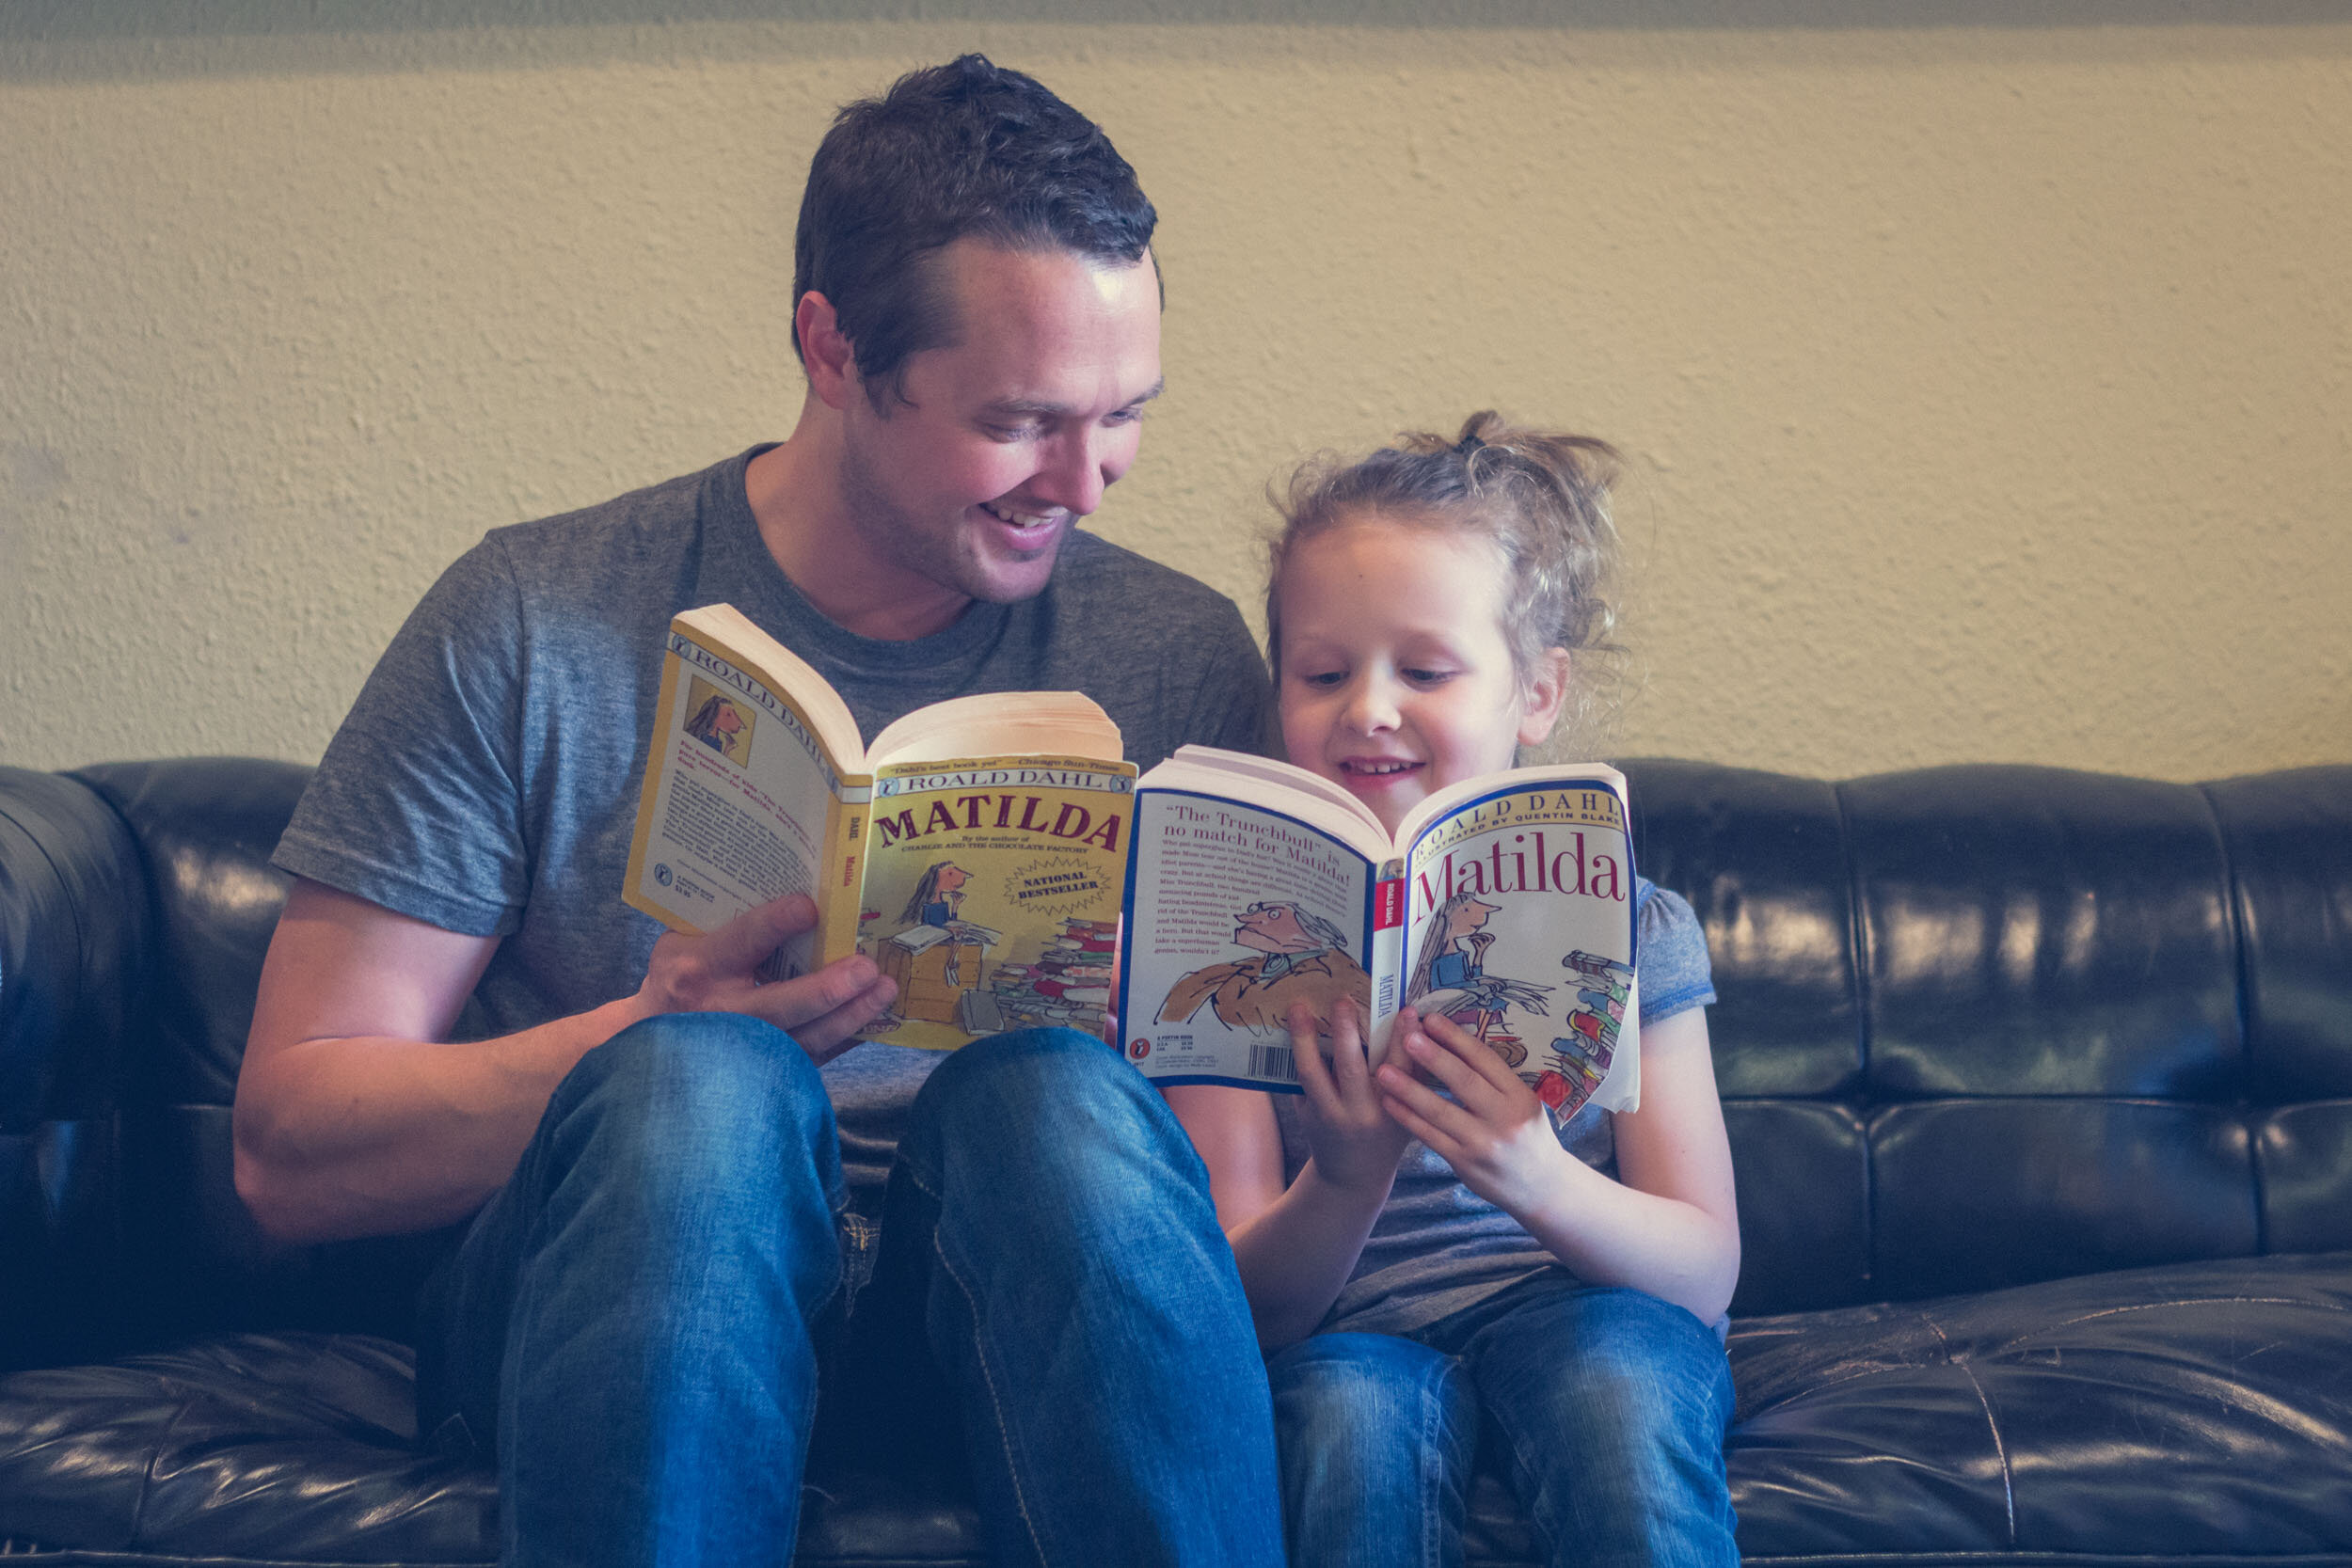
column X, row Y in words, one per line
column 634, row 888
column 1386, row 945
column 842, row 900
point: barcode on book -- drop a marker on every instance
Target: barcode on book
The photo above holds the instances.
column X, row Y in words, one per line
column 1272, row 1061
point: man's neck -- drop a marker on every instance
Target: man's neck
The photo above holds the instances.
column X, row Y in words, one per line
column 796, row 497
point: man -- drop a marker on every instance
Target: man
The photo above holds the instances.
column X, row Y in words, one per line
column 1301, row 958
column 659, row 1247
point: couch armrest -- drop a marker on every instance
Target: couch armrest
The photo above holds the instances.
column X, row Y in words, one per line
column 77, row 922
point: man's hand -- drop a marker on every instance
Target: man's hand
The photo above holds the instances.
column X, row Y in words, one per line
column 1493, row 1132
column 1356, row 1143
column 718, row 973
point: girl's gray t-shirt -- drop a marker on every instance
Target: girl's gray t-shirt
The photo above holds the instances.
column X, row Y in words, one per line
column 1437, row 1246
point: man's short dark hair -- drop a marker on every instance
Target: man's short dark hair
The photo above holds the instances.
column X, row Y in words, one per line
column 965, row 148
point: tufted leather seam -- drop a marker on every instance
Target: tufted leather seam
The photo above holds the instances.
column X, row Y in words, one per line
column 1858, row 955
column 2233, row 903
column 1992, row 1423
column 163, row 1441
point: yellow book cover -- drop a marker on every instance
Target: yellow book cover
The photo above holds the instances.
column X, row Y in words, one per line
column 991, row 893
column 756, row 784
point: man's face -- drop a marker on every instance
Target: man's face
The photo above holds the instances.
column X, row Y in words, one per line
column 1010, row 432
column 1272, row 929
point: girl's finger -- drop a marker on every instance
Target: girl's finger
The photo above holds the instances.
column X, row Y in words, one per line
column 1430, row 1109
column 1307, row 1057
column 1439, row 1142
column 1448, row 1068
column 1474, row 1054
column 1350, row 1073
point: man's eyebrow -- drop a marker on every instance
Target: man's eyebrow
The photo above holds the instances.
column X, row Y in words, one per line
column 1031, row 408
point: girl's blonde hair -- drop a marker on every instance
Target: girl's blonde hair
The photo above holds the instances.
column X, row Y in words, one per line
column 1541, row 497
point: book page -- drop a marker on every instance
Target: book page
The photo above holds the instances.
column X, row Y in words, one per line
column 1236, row 913
column 991, row 892
column 737, row 798
column 1000, row 723
column 1519, row 928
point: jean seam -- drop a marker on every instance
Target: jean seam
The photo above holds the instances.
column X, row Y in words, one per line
column 987, row 1377
column 1433, row 1465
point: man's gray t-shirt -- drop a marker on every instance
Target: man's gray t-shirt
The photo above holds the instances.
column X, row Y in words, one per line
column 1438, row 1247
column 486, row 781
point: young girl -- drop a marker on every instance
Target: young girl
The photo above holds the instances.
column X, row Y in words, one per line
column 1432, row 1267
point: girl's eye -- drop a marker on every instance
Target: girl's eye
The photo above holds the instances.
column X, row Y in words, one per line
column 1429, row 677
column 1323, row 677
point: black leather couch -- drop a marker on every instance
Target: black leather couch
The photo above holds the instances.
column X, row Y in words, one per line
column 2039, row 1090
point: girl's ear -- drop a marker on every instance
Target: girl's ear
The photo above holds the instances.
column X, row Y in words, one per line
column 1547, row 694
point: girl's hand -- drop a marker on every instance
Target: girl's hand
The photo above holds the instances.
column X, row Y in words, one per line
column 1493, row 1132
column 1355, row 1142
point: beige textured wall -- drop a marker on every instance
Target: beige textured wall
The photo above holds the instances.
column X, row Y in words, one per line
column 1986, row 385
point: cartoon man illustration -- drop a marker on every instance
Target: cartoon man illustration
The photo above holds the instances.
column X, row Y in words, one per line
column 1303, row 958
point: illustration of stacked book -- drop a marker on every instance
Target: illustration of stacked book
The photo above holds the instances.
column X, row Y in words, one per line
column 1068, row 985
column 1581, row 1059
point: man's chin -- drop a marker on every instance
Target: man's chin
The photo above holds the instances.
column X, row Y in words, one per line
column 1011, row 579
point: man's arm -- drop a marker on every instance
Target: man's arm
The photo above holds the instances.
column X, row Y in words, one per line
column 355, row 1116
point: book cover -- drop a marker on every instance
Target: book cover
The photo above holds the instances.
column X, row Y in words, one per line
column 991, row 892
column 1520, row 930
column 1237, row 912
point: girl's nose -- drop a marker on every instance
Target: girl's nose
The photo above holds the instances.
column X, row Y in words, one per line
column 1370, row 706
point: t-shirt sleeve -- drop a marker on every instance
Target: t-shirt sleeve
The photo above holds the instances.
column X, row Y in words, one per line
column 417, row 804
column 1676, row 972
column 1234, row 706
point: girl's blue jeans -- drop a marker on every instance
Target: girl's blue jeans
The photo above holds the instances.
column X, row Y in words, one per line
column 644, row 1322
column 1605, row 1407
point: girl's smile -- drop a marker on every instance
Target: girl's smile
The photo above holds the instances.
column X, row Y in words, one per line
column 1396, row 679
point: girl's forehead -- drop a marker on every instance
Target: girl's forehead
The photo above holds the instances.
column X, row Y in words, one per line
column 1444, row 571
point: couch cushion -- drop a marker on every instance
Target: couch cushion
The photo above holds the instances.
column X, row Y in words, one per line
column 2168, row 1414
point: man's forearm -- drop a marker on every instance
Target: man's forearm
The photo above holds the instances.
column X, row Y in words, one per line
column 360, row 1135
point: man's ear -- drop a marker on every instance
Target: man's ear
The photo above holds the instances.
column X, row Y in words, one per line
column 1547, row 694
column 830, row 359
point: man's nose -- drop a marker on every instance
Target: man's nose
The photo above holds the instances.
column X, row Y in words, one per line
column 1074, row 471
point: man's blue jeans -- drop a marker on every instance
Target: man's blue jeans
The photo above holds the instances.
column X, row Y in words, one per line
column 637, row 1323
column 1607, row 1408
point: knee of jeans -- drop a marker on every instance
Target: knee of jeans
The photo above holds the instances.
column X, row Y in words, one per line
column 1362, row 1400
column 1052, row 1113
column 1645, row 1369
column 1036, row 1080
column 719, row 1091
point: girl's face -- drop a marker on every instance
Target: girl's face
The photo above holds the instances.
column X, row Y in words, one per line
column 1396, row 678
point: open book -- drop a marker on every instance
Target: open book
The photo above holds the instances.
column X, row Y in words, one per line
column 976, row 849
column 1504, row 903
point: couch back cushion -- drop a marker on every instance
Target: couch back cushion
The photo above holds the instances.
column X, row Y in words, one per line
column 1986, row 1026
